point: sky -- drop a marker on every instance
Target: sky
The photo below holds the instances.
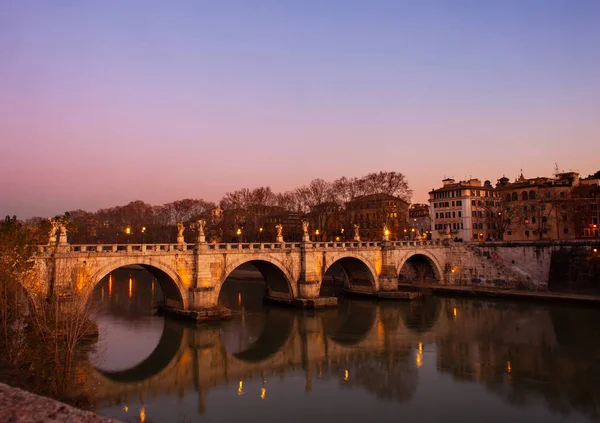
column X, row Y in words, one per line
column 105, row 102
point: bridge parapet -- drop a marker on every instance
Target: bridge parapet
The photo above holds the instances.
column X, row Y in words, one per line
column 231, row 247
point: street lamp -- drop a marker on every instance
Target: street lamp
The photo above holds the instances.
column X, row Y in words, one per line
column 143, row 233
column 260, row 230
column 316, row 235
column 128, row 233
column 239, row 234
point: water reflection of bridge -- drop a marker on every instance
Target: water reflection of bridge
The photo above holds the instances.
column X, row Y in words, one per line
column 518, row 352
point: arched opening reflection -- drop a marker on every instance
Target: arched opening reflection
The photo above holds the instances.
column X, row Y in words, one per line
column 418, row 269
column 349, row 273
column 259, row 339
column 421, row 316
column 352, row 322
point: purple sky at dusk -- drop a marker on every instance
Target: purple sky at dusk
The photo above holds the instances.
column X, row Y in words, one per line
column 106, row 102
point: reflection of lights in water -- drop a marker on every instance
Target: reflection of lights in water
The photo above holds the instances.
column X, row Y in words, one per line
column 420, row 346
column 130, row 286
column 419, row 359
column 240, row 390
column 320, row 371
column 142, row 415
column 346, row 375
column 125, row 408
column 102, row 293
column 508, row 367
column 110, row 285
column 152, row 288
column 239, row 298
column 455, row 312
column 263, row 393
column 243, row 316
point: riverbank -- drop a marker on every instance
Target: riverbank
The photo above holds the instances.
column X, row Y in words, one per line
column 19, row 406
column 476, row 291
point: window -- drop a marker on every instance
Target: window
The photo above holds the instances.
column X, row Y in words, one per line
column 508, row 232
column 527, row 234
column 532, row 195
column 566, row 230
column 524, row 196
column 459, row 203
column 564, row 217
column 473, row 202
column 453, row 214
column 459, row 213
column 507, row 198
column 515, row 196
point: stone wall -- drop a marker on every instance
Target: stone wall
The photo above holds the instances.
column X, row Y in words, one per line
column 530, row 266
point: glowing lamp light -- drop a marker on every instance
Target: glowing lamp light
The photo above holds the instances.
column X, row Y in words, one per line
column 317, row 232
column 387, row 232
column 142, row 415
column 346, row 375
column 263, row 393
column 260, row 229
column 420, row 346
column 128, row 230
column 240, row 390
column 239, row 231
column 143, row 229
column 455, row 312
column 508, row 367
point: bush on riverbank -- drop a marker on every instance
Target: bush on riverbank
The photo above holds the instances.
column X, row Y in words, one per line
column 40, row 334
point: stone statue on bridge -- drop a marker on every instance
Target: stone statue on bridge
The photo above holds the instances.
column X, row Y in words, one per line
column 279, row 228
column 356, row 228
column 62, row 238
column 305, row 235
column 201, row 224
column 53, row 230
column 180, row 229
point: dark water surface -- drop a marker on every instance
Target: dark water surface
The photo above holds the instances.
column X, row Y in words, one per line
column 444, row 360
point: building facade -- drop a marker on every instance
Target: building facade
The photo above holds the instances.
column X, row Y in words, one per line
column 374, row 211
column 461, row 210
column 419, row 221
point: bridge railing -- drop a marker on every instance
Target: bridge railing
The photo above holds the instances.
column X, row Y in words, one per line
column 242, row 246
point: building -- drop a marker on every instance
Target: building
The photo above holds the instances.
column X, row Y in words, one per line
column 419, row 221
column 463, row 210
column 586, row 198
column 374, row 211
column 326, row 222
column 538, row 208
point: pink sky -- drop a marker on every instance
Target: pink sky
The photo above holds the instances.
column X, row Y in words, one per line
column 102, row 104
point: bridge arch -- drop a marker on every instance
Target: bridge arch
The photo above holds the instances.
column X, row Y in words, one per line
column 359, row 271
column 170, row 281
column 277, row 277
column 422, row 257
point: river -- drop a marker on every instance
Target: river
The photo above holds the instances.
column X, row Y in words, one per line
column 441, row 359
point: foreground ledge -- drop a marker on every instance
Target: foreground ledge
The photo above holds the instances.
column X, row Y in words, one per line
column 207, row 315
column 308, row 303
column 19, row 406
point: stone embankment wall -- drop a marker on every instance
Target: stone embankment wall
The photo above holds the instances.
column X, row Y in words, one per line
column 559, row 266
column 20, row 406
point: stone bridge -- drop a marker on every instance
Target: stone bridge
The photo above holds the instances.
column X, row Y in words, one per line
column 191, row 275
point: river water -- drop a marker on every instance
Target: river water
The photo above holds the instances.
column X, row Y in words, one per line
column 442, row 359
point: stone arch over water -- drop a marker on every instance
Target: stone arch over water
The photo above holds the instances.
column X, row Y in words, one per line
column 420, row 267
column 173, row 288
column 359, row 274
column 278, row 279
